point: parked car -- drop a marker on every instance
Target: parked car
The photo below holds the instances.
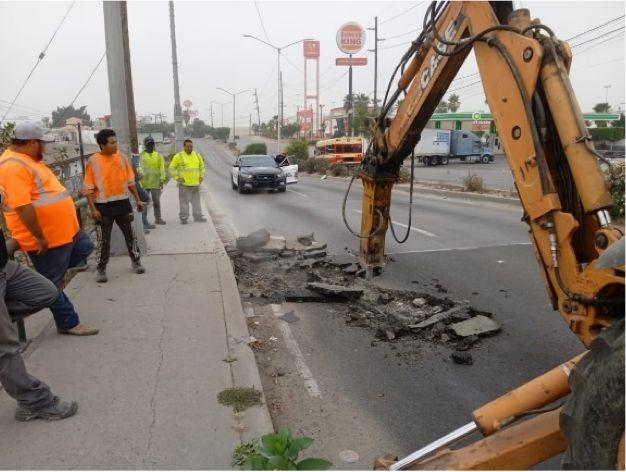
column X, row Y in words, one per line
column 258, row 171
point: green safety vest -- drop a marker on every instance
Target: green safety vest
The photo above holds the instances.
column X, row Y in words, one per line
column 189, row 167
column 153, row 169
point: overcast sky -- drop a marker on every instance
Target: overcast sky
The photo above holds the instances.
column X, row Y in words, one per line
column 212, row 53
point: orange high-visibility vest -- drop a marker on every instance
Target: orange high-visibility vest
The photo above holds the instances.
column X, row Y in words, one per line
column 30, row 182
column 108, row 177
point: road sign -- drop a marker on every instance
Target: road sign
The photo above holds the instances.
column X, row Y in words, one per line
column 351, row 38
column 187, row 103
column 311, row 49
column 351, row 61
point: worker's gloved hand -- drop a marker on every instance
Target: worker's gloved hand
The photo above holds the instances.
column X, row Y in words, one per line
column 139, row 206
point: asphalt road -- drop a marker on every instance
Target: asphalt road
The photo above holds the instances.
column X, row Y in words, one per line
column 370, row 402
column 496, row 175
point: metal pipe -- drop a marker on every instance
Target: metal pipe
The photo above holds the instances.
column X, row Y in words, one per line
column 604, row 218
column 440, row 443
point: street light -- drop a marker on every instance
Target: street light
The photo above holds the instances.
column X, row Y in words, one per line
column 221, row 105
column 277, row 49
column 232, row 95
column 606, row 96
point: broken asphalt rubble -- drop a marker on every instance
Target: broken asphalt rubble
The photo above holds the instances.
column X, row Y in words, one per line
column 271, row 268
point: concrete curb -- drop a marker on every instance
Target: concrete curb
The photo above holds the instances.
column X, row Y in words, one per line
column 452, row 194
column 255, row 421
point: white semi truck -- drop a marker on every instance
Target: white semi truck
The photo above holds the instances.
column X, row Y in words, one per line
column 438, row 146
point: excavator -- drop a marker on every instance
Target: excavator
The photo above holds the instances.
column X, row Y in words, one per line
column 577, row 408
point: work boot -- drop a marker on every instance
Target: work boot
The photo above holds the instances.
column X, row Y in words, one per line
column 149, row 226
column 183, row 222
column 57, row 410
column 146, row 231
column 200, row 219
column 101, row 276
column 160, row 221
column 80, row 330
column 138, row 268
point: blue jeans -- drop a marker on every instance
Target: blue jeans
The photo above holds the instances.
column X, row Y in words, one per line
column 53, row 265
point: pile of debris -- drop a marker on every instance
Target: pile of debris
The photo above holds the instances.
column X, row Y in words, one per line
column 276, row 270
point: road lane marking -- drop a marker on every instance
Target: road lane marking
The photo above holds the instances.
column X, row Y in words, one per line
column 402, row 225
column 292, row 345
column 462, row 248
column 297, row 193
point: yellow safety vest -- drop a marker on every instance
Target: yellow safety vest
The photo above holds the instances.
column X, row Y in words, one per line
column 189, row 167
column 152, row 169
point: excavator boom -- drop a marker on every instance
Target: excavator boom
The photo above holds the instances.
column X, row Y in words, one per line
column 524, row 70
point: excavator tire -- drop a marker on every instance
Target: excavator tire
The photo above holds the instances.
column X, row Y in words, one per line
column 593, row 417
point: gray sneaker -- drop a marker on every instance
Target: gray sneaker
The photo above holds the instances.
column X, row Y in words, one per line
column 101, row 276
column 138, row 268
column 57, row 410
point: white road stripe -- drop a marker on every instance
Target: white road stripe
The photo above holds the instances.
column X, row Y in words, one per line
column 297, row 193
column 462, row 248
column 413, row 228
column 292, row 346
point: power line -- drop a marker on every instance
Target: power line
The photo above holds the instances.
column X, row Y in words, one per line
column 42, row 54
column 89, row 78
column 621, row 28
column 404, row 34
column 256, row 5
column 595, row 28
column 617, row 36
column 401, row 13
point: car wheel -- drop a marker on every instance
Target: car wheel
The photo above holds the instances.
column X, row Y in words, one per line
column 444, row 160
column 426, row 161
column 281, row 190
column 240, row 187
column 232, row 184
column 485, row 159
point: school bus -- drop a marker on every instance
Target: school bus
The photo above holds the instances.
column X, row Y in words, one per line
column 348, row 150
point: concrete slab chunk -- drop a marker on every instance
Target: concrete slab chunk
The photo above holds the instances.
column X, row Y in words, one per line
column 253, row 241
column 479, row 325
column 340, row 291
column 276, row 244
column 303, row 296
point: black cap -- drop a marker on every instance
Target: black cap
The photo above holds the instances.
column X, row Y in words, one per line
column 148, row 140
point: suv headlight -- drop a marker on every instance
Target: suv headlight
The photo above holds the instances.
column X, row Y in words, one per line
column 246, row 176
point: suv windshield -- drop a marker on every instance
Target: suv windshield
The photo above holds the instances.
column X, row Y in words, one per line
column 257, row 161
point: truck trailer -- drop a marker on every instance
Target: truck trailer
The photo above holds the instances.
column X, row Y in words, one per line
column 438, row 146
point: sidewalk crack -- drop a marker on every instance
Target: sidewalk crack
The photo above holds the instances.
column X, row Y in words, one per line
column 158, row 372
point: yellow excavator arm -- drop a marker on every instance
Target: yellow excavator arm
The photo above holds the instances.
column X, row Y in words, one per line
column 524, row 70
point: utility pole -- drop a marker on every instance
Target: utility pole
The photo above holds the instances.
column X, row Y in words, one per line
column 81, row 148
column 375, row 51
column 212, row 115
column 123, row 117
column 250, row 129
column 258, row 112
column 321, row 121
column 178, row 112
column 350, row 111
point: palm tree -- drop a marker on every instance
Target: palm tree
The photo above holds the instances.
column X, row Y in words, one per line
column 454, row 102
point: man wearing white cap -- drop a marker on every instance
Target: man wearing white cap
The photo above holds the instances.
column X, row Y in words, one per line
column 41, row 217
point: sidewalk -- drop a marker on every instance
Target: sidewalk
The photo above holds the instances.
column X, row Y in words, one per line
column 147, row 385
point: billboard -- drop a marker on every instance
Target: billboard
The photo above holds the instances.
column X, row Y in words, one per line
column 351, row 38
column 351, row 61
column 305, row 119
column 311, row 49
